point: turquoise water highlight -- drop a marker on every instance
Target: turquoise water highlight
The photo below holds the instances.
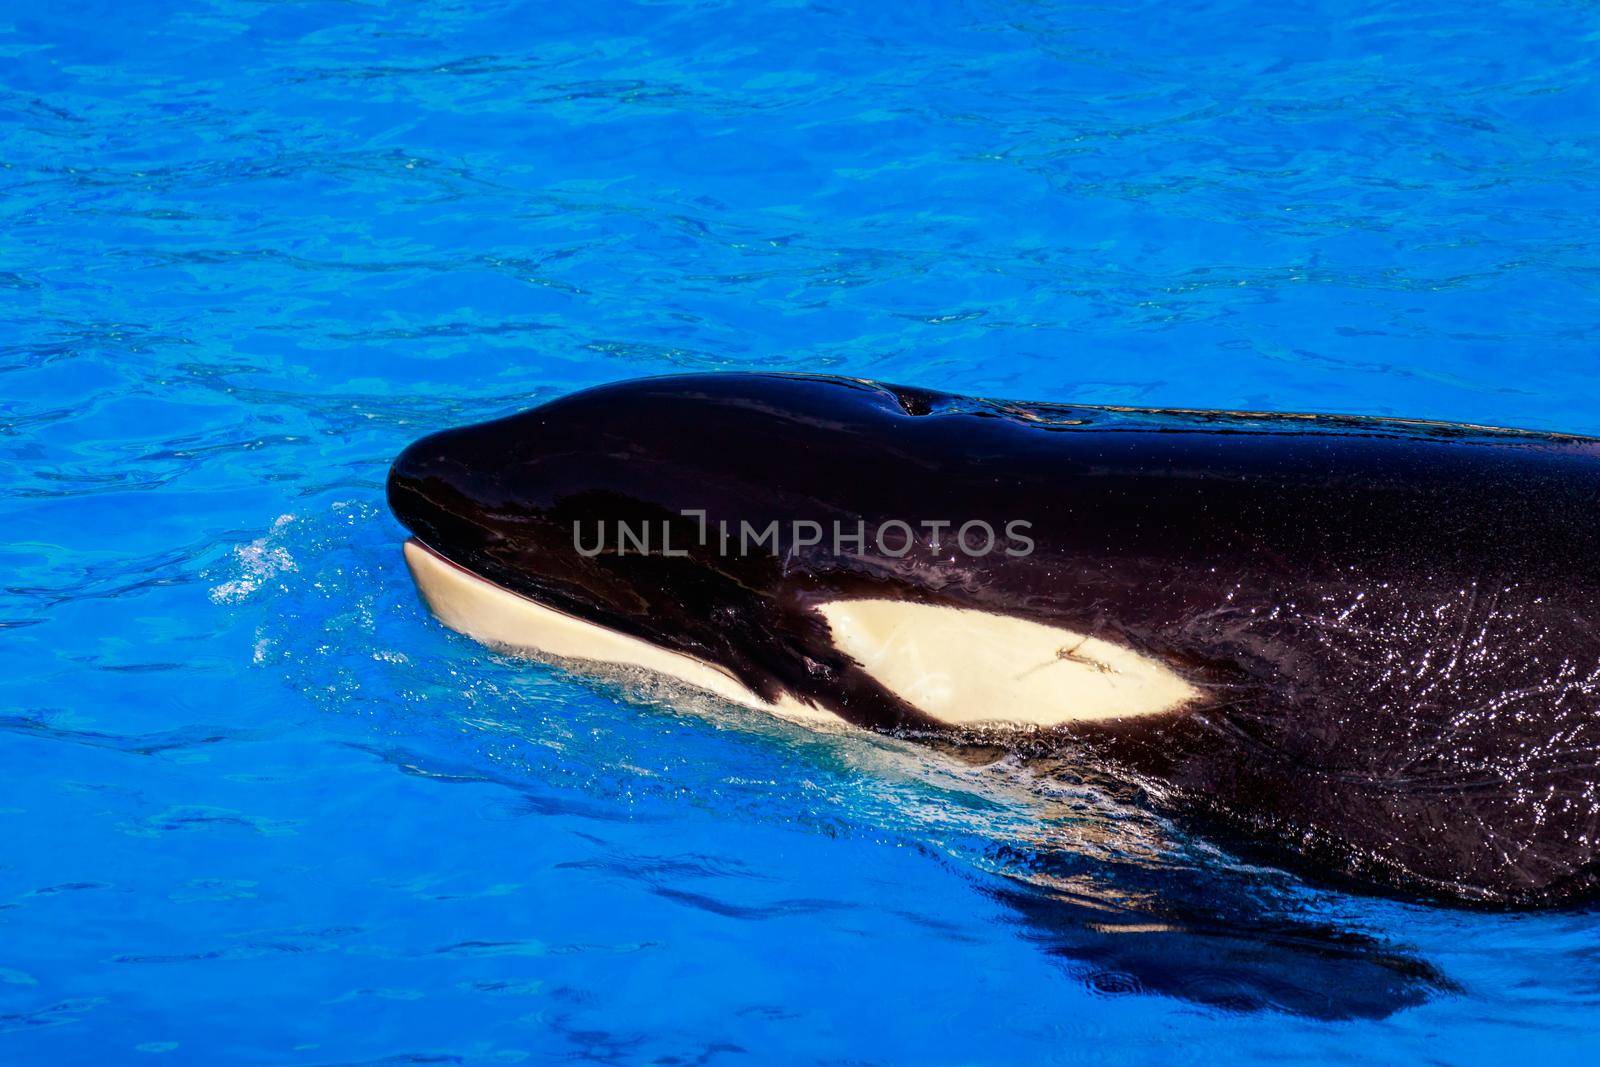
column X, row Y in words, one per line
column 258, row 808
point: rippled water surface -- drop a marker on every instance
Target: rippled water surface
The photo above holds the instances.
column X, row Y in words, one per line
column 258, row 808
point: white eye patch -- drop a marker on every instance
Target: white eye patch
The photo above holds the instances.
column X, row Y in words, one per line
column 965, row 667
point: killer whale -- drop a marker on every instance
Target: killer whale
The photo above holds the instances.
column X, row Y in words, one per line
column 1365, row 645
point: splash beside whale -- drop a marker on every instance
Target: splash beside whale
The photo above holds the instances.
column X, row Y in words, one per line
column 1366, row 646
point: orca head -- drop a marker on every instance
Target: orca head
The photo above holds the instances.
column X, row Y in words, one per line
column 757, row 536
column 1267, row 616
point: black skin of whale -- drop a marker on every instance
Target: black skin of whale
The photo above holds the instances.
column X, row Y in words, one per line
column 1393, row 624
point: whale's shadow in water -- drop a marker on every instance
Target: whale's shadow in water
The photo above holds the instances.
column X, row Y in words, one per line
column 1207, row 937
column 1132, row 904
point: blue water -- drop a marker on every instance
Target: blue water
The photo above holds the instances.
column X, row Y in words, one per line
column 255, row 807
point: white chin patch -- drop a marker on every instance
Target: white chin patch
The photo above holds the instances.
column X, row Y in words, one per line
column 498, row 617
column 968, row 668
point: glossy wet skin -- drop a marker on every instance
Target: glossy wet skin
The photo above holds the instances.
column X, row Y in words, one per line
column 1391, row 624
